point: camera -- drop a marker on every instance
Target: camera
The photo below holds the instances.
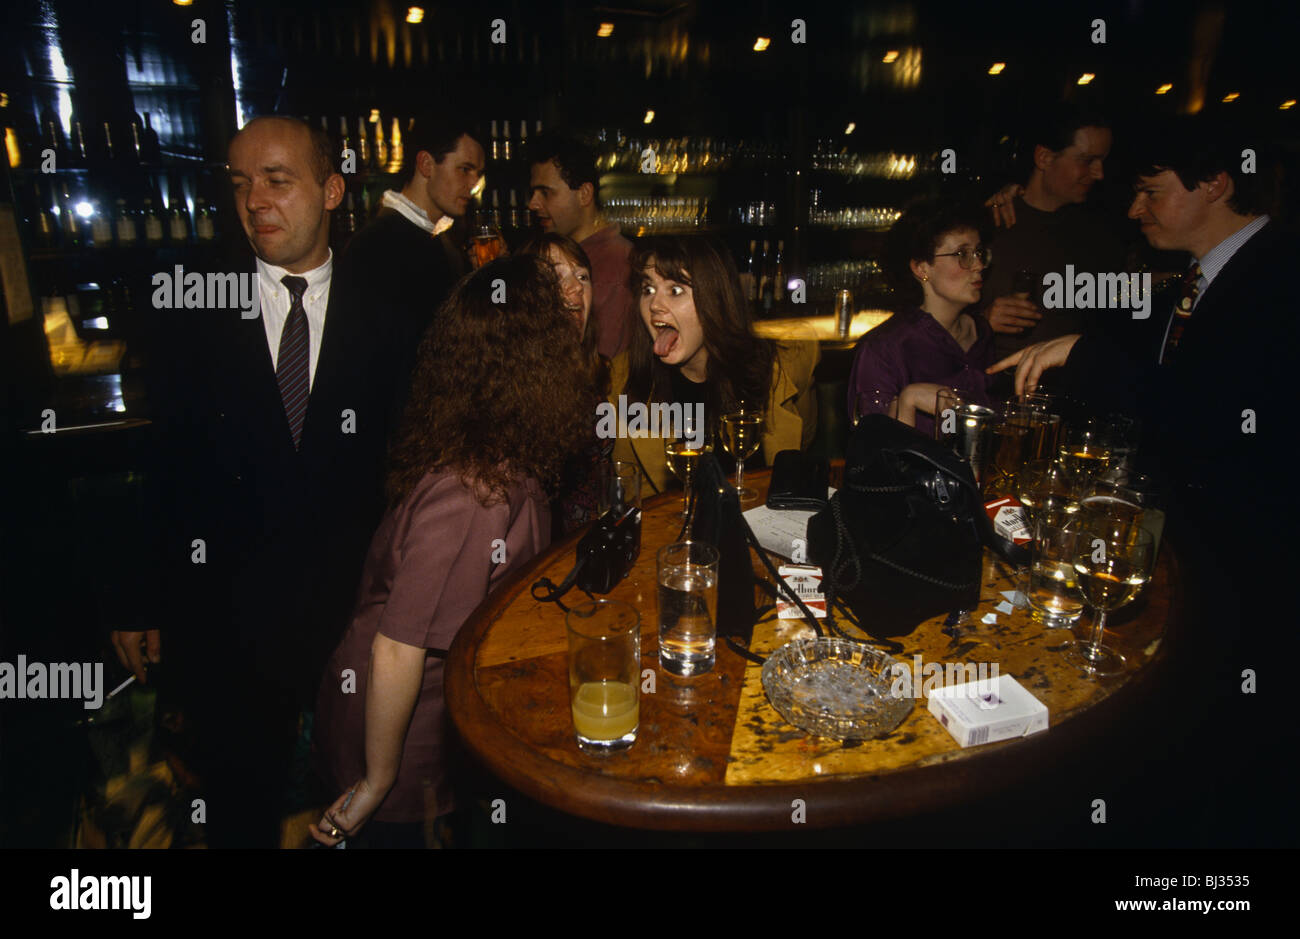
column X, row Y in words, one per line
column 607, row 552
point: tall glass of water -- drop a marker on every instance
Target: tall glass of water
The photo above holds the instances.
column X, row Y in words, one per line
column 688, row 607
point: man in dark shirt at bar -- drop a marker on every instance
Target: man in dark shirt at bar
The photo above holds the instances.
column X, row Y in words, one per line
column 1052, row 228
column 403, row 260
column 566, row 199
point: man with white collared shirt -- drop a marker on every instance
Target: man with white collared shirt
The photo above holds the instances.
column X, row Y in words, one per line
column 268, row 482
column 405, row 255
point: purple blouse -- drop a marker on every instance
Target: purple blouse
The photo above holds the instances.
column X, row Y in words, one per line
column 431, row 563
column 911, row 347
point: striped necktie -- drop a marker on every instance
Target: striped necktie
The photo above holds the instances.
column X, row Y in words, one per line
column 291, row 366
column 1182, row 312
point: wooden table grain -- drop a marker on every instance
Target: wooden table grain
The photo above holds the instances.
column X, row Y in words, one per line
column 712, row 754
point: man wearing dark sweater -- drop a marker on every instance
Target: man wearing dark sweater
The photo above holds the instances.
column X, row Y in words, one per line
column 1052, row 229
column 404, row 261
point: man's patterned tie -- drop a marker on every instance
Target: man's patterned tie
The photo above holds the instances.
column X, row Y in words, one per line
column 1183, row 312
column 291, row 367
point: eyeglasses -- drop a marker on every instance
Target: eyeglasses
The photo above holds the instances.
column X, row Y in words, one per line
column 966, row 256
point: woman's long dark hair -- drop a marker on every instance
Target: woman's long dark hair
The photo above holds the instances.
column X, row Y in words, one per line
column 739, row 366
column 484, row 398
column 539, row 245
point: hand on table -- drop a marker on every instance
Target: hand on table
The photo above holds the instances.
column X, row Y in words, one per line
column 1002, row 205
column 361, row 802
column 128, row 645
column 1012, row 314
column 1032, row 361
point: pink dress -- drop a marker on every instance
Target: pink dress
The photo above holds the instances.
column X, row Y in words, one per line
column 433, row 560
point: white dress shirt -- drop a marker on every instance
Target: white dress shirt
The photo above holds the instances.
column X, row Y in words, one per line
column 276, row 301
column 393, row 199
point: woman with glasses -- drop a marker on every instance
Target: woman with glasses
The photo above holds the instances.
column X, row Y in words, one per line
column 936, row 257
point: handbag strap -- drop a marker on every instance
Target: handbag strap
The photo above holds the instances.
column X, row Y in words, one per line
column 841, row 539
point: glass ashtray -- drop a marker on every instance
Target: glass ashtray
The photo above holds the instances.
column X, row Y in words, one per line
column 835, row 688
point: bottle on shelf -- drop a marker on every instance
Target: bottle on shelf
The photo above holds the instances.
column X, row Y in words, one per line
column 395, row 154
column 150, row 149
column 205, row 228
column 101, row 227
column 363, row 143
column 46, row 222
column 379, row 146
column 79, row 155
column 496, row 143
column 110, row 152
column 521, row 149
column 127, row 231
column 494, row 213
column 153, row 226
column 505, row 141
column 778, row 273
column 178, row 218
column 344, row 137
column 69, row 224
column 52, row 139
column 765, row 288
column 518, row 214
column 751, row 268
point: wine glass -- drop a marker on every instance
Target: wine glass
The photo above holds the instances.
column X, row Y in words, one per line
column 1047, row 491
column 1086, row 452
column 684, row 451
column 1135, row 488
column 1111, row 568
column 742, row 432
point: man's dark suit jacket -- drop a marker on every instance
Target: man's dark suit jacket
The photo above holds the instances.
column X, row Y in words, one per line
column 285, row 532
column 1233, row 522
column 1235, row 355
column 407, row 273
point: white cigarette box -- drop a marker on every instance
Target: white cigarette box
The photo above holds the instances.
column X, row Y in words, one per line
column 988, row 710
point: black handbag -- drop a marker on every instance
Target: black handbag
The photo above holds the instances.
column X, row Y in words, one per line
column 901, row 541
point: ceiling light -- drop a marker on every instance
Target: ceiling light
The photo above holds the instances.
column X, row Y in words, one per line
column 415, row 15
column 1164, row 89
column 761, row 43
column 605, row 31
column 1086, row 77
column 996, row 68
column 890, row 56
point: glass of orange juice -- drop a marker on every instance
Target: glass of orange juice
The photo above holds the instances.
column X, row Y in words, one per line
column 604, row 674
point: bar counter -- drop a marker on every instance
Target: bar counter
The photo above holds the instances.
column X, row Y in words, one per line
column 712, row 754
column 821, row 329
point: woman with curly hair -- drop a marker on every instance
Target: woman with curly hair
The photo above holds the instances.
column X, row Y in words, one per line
column 697, row 346
column 498, row 399
column 576, row 503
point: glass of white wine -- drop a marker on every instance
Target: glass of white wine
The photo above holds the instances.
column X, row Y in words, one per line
column 1086, row 453
column 742, row 432
column 684, row 451
column 1110, row 567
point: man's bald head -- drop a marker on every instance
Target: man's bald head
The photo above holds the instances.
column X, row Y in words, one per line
column 317, row 141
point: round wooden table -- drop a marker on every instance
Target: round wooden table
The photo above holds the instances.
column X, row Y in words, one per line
column 712, row 754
